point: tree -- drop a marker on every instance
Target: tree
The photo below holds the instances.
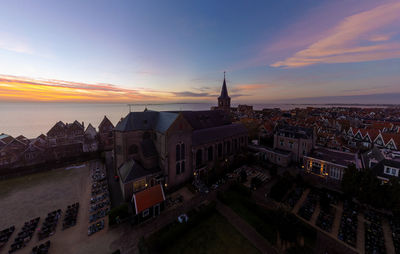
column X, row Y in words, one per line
column 350, row 181
column 243, row 176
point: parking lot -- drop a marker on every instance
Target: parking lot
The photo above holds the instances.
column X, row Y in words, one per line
column 48, row 196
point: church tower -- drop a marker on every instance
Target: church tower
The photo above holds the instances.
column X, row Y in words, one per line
column 224, row 101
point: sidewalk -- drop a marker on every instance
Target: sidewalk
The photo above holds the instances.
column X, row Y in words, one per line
column 245, row 229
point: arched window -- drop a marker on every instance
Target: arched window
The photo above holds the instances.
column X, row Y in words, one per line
column 199, row 157
column 133, row 149
column 183, row 167
column 236, row 144
column 178, row 152
column 210, row 153
column 178, row 168
column 182, row 151
column 228, row 147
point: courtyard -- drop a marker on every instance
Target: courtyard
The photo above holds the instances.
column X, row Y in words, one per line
column 36, row 195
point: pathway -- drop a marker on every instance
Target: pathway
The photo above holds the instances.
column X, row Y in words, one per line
column 315, row 215
column 301, row 201
column 245, row 229
column 336, row 220
column 387, row 233
column 360, row 244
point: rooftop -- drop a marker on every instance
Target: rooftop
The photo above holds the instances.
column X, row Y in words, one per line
column 148, row 198
column 334, row 156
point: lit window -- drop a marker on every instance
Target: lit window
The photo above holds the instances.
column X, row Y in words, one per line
column 146, row 213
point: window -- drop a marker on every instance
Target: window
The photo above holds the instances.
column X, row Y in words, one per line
column 393, row 171
column 182, row 151
column 146, row 213
column 180, row 158
column 140, row 184
column 199, row 157
column 219, row 150
column 178, row 152
column 210, row 153
column 228, row 147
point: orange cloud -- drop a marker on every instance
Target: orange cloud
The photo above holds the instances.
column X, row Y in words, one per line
column 347, row 42
column 26, row 89
column 252, row 86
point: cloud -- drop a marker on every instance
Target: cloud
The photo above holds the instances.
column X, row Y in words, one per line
column 192, row 94
column 29, row 89
column 251, row 86
column 357, row 38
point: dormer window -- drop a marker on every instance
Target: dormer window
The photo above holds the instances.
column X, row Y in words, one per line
column 391, row 171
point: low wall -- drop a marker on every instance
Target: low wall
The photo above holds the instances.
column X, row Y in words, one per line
column 6, row 173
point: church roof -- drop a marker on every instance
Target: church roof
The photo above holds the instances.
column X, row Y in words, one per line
column 209, row 135
column 206, row 119
column 224, row 91
column 147, row 120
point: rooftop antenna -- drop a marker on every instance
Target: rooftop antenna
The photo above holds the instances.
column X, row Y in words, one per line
column 129, row 105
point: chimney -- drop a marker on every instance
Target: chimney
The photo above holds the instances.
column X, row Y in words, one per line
column 83, row 125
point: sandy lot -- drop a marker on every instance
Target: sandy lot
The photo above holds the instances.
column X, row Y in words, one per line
column 27, row 197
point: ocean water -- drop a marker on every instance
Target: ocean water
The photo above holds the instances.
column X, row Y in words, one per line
column 32, row 119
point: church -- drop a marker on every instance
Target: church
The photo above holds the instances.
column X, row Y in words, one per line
column 169, row 148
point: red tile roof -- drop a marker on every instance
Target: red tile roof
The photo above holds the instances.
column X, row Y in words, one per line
column 148, row 198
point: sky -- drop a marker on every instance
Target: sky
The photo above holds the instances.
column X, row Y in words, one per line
column 176, row 51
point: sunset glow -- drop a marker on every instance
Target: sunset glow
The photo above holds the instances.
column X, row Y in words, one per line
column 317, row 49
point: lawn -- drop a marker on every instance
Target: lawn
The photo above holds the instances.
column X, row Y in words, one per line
column 214, row 234
column 265, row 221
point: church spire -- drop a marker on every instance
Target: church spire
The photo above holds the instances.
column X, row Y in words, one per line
column 224, row 101
column 224, row 90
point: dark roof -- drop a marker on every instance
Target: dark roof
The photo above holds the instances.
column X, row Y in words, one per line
column 204, row 136
column 224, row 91
column 374, row 153
column 147, row 120
column 295, row 131
column 161, row 121
column 206, row 119
column 274, row 150
column 333, row 156
column 132, row 170
column 148, row 148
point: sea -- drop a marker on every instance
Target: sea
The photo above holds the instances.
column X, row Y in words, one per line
column 32, row 119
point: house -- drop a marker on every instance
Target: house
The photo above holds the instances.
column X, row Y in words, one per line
column 384, row 163
column 12, row 150
column 134, row 178
column 106, row 134
column 295, row 139
column 90, row 143
column 148, row 203
column 329, row 164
